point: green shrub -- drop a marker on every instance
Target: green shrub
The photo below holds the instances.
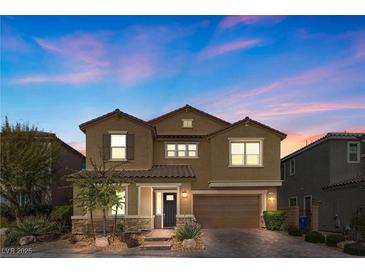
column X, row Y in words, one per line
column 31, row 225
column 294, row 231
column 274, row 219
column 6, row 212
column 355, row 249
column 4, row 222
column 358, row 223
column 334, row 239
column 314, row 237
column 187, row 231
column 61, row 215
column 35, row 225
column 12, row 237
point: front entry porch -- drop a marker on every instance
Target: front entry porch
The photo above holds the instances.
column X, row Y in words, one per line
column 167, row 204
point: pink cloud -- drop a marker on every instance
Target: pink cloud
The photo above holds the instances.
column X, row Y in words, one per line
column 84, row 48
column 231, row 21
column 297, row 109
column 136, row 68
column 229, row 47
column 71, row 78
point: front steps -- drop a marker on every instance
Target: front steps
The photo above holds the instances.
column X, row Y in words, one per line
column 158, row 239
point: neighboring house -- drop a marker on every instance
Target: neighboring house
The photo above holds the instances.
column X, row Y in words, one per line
column 329, row 173
column 69, row 161
column 186, row 164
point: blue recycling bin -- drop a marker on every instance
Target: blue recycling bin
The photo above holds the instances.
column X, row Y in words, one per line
column 303, row 222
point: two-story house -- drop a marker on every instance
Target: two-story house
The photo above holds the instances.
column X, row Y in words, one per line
column 186, row 164
column 329, row 173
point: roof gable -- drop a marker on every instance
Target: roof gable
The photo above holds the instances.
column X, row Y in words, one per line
column 116, row 112
column 247, row 120
column 185, row 108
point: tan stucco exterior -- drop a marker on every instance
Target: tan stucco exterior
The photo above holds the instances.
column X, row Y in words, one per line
column 201, row 124
column 212, row 163
column 143, row 140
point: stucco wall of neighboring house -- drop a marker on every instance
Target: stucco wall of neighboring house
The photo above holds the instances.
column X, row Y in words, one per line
column 68, row 162
column 143, row 149
column 220, row 169
column 340, row 168
column 311, row 174
column 201, row 124
column 343, row 203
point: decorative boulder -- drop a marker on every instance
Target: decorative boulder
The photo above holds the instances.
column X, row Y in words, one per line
column 101, row 242
column 3, row 231
column 189, row 243
column 342, row 244
column 26, row 240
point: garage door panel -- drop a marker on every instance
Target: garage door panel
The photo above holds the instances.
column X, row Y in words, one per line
column 224, row 211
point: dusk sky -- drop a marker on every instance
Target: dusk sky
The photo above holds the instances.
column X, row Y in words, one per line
column 303, row 75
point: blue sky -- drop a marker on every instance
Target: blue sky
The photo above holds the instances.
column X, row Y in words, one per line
column 304, row 75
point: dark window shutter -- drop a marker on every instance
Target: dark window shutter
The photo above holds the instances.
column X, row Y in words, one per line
column 106, row 146
column 130, row 146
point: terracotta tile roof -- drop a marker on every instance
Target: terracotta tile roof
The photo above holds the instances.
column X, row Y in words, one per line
column 157, row 171
column 330, row 135
column 360, row 178
column 188, row 107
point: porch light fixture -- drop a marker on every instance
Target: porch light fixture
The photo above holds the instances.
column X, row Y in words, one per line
column 271, row 197
column 184, row 194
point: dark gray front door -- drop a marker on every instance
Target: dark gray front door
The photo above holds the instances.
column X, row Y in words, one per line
column 169, row 209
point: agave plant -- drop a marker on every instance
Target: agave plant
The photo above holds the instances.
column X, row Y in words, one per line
column 35, row 225
column 188, row 231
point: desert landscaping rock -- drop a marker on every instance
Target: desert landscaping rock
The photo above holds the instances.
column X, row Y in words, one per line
column 3, row 231
column 101, row 242
column 26, row 240
column 189, row 243
column 342, row 244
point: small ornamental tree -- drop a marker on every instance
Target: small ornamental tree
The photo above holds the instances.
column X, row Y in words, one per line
column 86, row 197
column 99, row 189
column 28, row 163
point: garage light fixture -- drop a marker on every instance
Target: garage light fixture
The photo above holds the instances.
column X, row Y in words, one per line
column 271, row 195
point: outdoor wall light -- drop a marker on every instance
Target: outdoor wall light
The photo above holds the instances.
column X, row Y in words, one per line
column 271, row 197
column 184, row 194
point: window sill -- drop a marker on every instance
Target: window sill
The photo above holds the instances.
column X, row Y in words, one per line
column 183, row 158
column 353, row 162
column 117, row 160
column 246, row 166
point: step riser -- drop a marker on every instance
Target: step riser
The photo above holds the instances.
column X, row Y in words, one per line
column 152, row 239
column 156, row 247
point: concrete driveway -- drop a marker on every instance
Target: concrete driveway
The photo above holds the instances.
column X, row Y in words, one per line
column 256, row 243
column 220, row 243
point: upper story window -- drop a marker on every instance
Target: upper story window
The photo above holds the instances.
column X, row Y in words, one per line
column 353, row 152
column 175, row 150
column 118, row 148
column 245, row 152
column 187, row 123
column 292, row 167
